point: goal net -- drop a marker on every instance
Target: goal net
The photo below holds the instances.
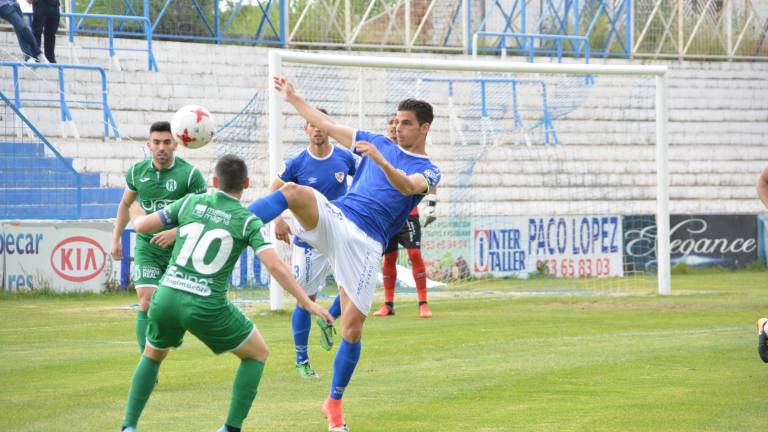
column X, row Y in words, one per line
column 554, row 176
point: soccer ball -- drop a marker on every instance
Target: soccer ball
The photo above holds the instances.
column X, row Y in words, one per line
column 192, row 126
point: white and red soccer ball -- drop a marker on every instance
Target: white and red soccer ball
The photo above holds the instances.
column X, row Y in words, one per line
column 192, row 126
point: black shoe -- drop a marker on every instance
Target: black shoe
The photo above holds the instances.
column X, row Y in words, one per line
column 762, row 346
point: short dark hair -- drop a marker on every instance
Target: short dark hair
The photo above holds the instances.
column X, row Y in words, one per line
column 231, row 172
column 423, row 110
column 160, row 126
column 322, row 110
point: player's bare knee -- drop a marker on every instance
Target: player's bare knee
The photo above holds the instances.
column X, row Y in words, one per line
column 155, row 354
column 290, row 191
column 352, row 332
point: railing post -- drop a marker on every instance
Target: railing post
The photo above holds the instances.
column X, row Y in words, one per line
column 407, row 32
column 629, row 28
column 729, row 27
column 468, row 23
column 16, row 87
column 216, row 18
column 347, row 24
column 283, row 23
column 680, row 32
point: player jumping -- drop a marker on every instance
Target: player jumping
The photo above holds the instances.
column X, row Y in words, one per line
column 352, row 230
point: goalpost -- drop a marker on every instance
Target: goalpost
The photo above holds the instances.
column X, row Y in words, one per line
column 540, row 161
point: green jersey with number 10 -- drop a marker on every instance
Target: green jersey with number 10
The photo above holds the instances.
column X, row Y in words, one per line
column 213, row 230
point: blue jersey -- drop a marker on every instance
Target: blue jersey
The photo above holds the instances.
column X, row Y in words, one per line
column 373, row 203
column 327, row 175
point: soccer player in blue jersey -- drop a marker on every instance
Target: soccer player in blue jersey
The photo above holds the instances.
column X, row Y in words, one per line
column 323, row 167
column 353, row 230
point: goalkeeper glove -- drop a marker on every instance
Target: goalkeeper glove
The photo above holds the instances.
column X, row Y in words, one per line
column 429, row 209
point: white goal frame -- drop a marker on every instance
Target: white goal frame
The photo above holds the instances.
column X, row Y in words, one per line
column 278, row 57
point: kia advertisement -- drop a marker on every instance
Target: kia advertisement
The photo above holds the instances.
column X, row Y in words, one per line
column 61, row 255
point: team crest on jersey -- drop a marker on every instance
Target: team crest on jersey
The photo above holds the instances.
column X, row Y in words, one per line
column 170, row 185
column 340, row 176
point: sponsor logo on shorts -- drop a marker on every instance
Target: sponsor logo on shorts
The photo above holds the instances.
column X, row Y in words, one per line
column 335, row 211
column 146, row 272
column 177, row 279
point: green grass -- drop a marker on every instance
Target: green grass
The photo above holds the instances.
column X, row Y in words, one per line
column 492, row 359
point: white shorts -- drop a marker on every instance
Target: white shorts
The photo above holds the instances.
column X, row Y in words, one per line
column 310, row 268
column 353, row 255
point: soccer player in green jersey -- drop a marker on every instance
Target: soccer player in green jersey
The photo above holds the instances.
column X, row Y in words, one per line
column 156, row 183
column 213, row 229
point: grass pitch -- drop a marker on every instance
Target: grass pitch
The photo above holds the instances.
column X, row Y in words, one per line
column 495, row 357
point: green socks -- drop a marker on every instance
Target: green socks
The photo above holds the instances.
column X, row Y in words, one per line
column 141, row 329
column 244, row 391
column 142, row 384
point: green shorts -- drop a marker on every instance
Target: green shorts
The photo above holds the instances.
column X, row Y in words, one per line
column 219, row 324
column 149, row 263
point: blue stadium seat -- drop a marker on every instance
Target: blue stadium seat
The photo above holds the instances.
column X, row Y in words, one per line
column 38, row 187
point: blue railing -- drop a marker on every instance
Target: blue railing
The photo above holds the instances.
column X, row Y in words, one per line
column 204, row 23
column 18, row 213
column 146, row 30
column 110, row 19
column 546, row 119
column 66, row 114
column 526, row 44
column 607, row 24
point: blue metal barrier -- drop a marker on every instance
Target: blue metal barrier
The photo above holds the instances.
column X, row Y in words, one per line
column 526, row 44
column 217, row 24
column 607, row 24
column 546, row 120
column 66, row 115
column 110, row 19
column 66, row 209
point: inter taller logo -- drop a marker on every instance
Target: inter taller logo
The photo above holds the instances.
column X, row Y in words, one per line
column 498, row 251
column 480, row 245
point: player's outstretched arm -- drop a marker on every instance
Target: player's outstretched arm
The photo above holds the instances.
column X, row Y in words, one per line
column 280, row 271
column 413, row 184
column 344, row 135
column 762, row 187
column 123, row 217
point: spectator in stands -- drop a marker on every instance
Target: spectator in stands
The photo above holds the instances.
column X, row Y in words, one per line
column 45, row 21
column 11, row 12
